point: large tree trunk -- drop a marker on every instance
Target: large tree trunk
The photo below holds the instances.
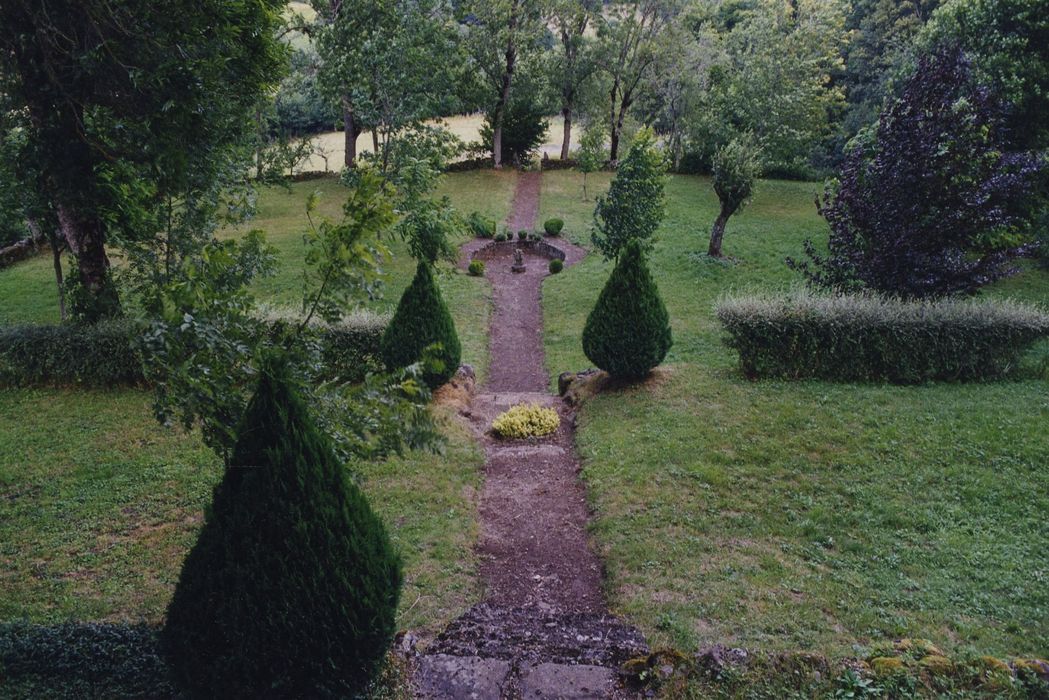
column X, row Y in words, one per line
column 716, row 235
column 351, row 130
column 500, row 113
column 85, row 236
column 566, row 144
column 617, row 132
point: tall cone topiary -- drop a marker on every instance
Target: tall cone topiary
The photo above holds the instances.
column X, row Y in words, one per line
column 628, row 330
column 421, row 320
column 292, row 587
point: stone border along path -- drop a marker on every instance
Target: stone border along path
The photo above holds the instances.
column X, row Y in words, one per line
column 543, row 629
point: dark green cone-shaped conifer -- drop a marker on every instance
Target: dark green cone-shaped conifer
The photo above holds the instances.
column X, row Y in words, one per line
column 421, row 320
column 628, row 330
column 291, row 589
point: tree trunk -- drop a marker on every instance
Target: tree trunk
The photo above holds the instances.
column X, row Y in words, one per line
column 716, row 235
column 85, row 236
column 375, row 141
column 56, row 259
column 497, row 118
column 351, row 131
column 567, row 142
column 617, row 131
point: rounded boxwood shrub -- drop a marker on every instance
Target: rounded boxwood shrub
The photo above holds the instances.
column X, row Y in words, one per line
column 500, row 237
column 422, row 320
column 556, row 266
column 553, row 227
column 292, row 587
column 628, row 330
column 476, row 268
column 523, row 235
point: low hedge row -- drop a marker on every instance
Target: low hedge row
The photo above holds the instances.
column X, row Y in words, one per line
column 82, row 660
column 94, row 355
column 866, row 338
column 105, row 354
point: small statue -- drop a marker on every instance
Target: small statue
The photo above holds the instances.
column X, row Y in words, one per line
column 518, row 265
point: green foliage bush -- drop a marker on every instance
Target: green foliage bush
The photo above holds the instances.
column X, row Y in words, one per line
column 350, row 348
column 480, row 225
column 869, row 338
column 82, row 660
column 476, row 268
column 635, row 203
column 553, row 227
column 523, row 235
column 500, row 237
column 106, row 354
column 422, row 320
column 291, row 589
column 556, row 266
column 101, row 354
column 524, row 129
column 628, row 331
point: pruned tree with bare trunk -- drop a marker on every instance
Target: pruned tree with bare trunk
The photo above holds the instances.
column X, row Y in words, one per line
column 574, row 62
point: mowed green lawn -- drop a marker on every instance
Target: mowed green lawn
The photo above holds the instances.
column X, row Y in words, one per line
column 98, row 503
column 769, row 514
column 800, row 514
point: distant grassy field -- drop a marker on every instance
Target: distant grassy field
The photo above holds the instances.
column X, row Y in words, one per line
column 467, row 127
column 98, row 503
column 800, row 514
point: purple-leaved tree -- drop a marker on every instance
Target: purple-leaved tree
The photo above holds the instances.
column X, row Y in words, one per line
column 924, row 208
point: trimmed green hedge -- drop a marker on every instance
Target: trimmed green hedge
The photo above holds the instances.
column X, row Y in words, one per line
column 92, row 355
column 866, row 338
column 82, row 660
column 104, row 354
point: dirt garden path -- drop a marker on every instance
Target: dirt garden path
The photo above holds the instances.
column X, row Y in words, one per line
column 543, row 629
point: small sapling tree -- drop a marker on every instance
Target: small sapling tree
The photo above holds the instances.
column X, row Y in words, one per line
column 737, row 167
column 591, row 155
column 635, row 204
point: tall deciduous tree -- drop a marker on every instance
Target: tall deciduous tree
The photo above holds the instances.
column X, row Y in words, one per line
column 573, row 62
column 389, row 63
column 129, row 104
column 501, row 32
column 925, row 210
column 630, row 38
column 774, row 80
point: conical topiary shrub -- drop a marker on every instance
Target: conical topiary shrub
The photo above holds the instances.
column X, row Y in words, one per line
column 291, row 589
column 628, row 330
column 421, row 320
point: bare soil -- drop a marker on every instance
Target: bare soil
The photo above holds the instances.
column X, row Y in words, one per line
column 543, row 605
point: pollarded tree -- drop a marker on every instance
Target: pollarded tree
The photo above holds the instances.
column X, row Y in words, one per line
column 628, row 331
column 926, row 210
column 291, row 589
column 132, row 110
column 635, row 204
column 422, row 320
column 737, row 167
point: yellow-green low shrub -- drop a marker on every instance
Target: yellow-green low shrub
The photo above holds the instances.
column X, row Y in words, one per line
column 526, row 420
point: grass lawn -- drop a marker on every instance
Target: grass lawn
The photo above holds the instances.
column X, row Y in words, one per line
column 800, row 514
column 98, row 504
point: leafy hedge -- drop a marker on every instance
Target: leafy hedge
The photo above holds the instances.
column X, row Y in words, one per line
column 868, row 338
column 105, row 354
column 82, row 660
column 94, row 355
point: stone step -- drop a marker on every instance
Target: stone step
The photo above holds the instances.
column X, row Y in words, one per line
column 445, row 677
column 537, row 635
